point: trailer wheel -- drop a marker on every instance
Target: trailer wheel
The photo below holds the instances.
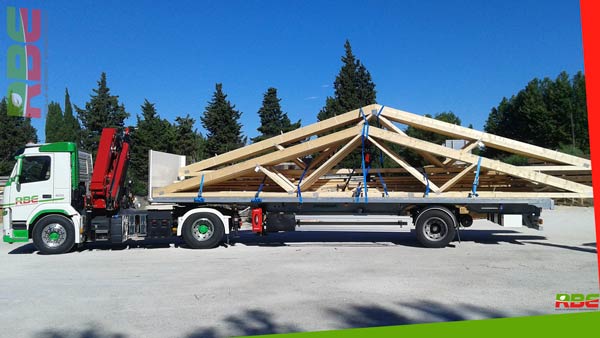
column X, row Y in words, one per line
column 435, row 227
column 54, row 234
column 203, row 231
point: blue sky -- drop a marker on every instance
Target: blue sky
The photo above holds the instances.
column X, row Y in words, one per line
column 424, row 56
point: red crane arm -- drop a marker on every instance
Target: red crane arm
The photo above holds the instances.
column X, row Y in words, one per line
column 110, row 169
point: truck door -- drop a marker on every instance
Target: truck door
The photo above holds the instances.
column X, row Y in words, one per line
column 35, row 184
column 62, row 177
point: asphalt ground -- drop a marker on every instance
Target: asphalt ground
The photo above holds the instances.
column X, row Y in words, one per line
column 303, row 281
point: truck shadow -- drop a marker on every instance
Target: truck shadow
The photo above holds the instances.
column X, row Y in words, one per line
column 408, row 239
column 317, row 239
column 131, row 244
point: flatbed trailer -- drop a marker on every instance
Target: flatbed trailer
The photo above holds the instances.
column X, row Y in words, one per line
column 435, row 220
column 56, row 197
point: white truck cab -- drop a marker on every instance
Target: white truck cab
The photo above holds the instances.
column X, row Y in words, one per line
column 40, row 185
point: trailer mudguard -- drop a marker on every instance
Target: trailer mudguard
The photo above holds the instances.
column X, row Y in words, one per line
column 223, row 218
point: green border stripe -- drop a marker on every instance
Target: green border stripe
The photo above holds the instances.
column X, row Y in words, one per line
column 555, row 325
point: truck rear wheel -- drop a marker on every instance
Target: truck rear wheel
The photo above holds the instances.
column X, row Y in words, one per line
column 203, row 231
column 54, row 234
column 435, row 227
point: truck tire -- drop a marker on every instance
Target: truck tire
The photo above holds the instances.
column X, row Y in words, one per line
column 435, row 227
column 203, row 231
column 53, row 234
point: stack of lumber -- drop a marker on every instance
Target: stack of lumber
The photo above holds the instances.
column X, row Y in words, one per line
column 307, row 160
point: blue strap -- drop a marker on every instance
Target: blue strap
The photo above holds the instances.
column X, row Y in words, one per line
column 381, row 156
column 357, row 197
column 257, row 199
column 300, row 182
column 382, row 183
column 379, row 113
column 199, row 198
column 364, row 136
column 476, row 180
column 427, row 189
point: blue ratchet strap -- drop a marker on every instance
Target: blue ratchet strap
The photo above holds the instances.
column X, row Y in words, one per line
column 199, row 198
column 257, row 199
column 381, row 157
column 426, row 183
column 365, row 134
column 476, row 180
column 300, row 182
column 357, row 197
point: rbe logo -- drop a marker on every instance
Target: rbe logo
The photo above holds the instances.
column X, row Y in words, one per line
column 24, row 60
column 576, row 301
column 26, row 200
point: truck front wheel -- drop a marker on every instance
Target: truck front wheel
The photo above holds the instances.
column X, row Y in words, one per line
column 203, row 231
column 435, row 227
column 54, row 234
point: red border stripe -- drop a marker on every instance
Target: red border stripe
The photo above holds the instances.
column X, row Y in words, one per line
column 590, row 12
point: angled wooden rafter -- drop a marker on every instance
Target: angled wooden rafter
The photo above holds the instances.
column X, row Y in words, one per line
column 276, row 157
column 391, row 127
column 330, row 163
column 298, row 161
column 466, row 149
column 490, row 140
column 456, row 178
column 282, row 182
column 283, row 139
column 520, row 172
column 410, row 169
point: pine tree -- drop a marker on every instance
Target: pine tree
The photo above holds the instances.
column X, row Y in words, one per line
column 353, row 86
column 273, row 121
column 71, row 130
column 548, row 113
column 220, row 119
column 15, row 133
column 102, row 111
column 580, row 115
column 151, row 133
column 54, row 123
column 189, row 142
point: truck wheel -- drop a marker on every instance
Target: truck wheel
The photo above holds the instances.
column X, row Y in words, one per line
column 203, row 231
column 435, row 227
column 54, row 234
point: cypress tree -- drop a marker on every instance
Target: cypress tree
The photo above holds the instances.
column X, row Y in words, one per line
column 273, row 121
column 189, row 142
column 101, row 111
column 353, row 86
column 72, row 130
column 151, row 133
column 15, row 133
column 54, row 123
column 220, row 119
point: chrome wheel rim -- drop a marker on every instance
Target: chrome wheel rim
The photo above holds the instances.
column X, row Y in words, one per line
column 435, row 229
column 203, row 229
column 54, row 235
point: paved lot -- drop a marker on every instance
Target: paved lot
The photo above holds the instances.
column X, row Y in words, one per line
column 296, row 282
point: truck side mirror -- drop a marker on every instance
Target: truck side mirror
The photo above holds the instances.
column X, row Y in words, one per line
column 19, row 170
